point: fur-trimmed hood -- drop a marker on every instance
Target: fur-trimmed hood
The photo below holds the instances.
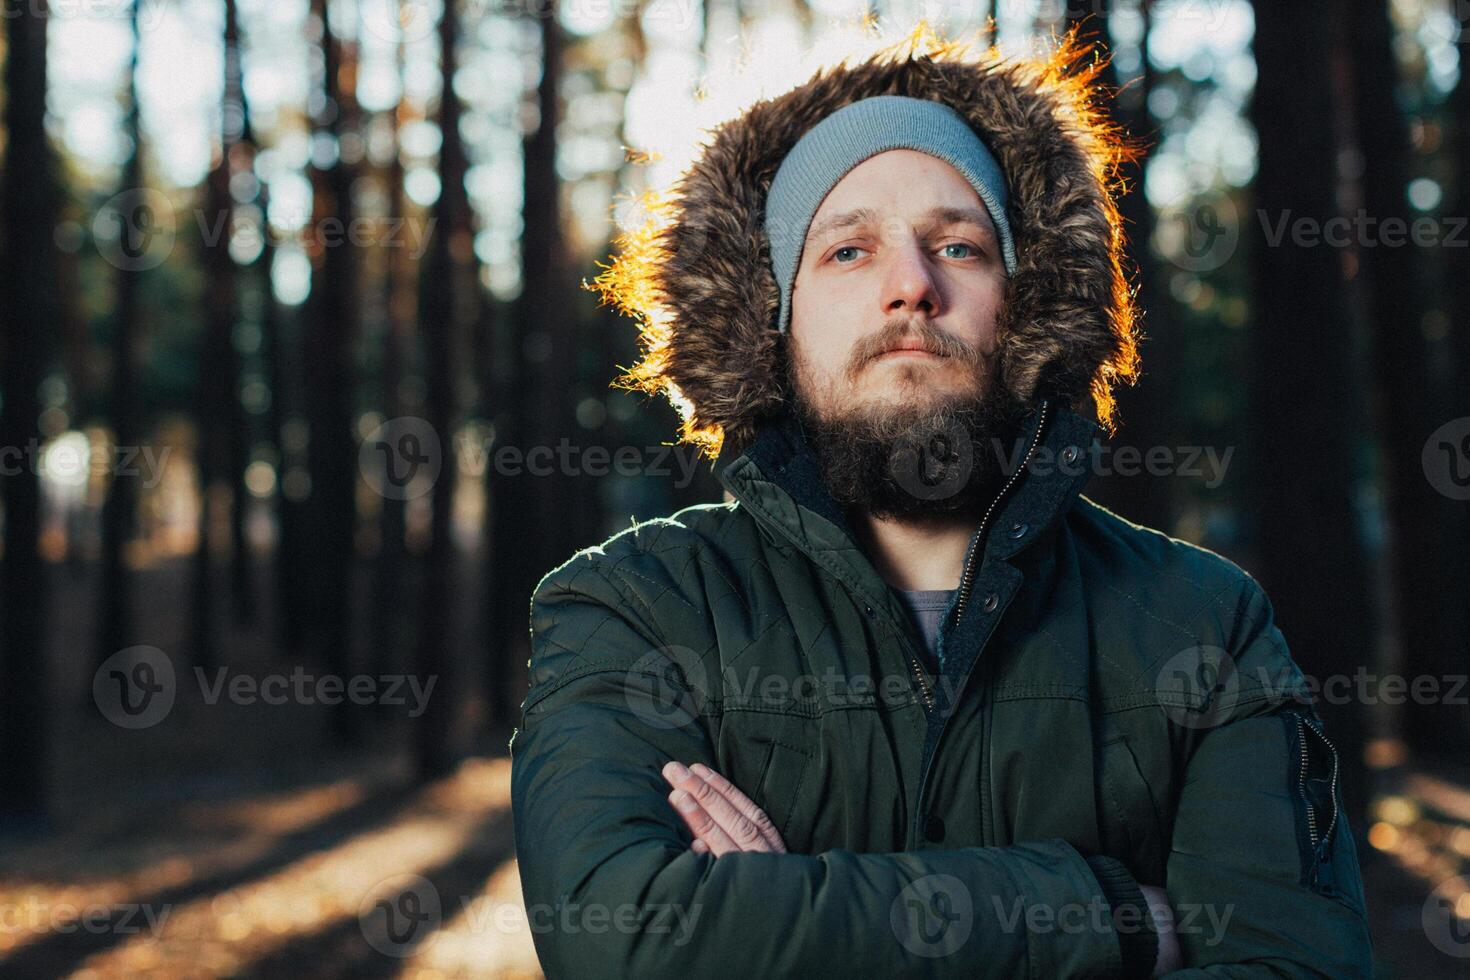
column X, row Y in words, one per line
column 698, row 276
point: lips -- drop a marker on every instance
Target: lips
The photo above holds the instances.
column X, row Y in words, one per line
column 909, row 347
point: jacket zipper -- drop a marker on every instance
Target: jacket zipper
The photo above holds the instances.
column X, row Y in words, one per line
column 967, row 579
column 923, row 684
column 967, row 576
column 1302, row 726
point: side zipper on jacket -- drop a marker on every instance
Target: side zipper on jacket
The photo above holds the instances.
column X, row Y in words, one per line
column 1303, row 727
column 1313, row 788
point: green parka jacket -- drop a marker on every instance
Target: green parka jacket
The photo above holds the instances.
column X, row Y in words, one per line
column 1119, row 707
column 1114, row 692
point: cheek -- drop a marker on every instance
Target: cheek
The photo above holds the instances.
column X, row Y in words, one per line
column 818, row 358
column 988, row 300
column 822, row 330
column 812, row 299
column 821, row 365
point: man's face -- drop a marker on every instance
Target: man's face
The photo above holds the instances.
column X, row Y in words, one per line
column 893, row 334
column 901, row 253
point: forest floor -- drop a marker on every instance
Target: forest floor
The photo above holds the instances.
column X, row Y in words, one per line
column 237, row 839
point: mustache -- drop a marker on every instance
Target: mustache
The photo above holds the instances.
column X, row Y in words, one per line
column 934, row 340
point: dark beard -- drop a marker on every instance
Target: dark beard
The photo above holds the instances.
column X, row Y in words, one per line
column 912, row 462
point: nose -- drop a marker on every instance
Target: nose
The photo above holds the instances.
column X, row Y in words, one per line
column 909, row 284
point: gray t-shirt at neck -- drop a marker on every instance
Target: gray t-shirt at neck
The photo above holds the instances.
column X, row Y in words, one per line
column 927, row 607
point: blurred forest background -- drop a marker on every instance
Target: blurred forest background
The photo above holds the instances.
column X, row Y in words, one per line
column 280, row 280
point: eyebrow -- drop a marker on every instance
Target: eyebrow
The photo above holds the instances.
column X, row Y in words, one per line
column 943, row 215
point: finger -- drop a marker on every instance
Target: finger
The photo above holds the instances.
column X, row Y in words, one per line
column 701, row 824
column 734, row 824
column 743, row 806
column 695, row 817
column 740, row 828
column 699, row 846
column 734, row 827
column 742, row 803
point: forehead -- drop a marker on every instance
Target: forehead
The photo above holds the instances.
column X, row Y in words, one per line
column 904, row 185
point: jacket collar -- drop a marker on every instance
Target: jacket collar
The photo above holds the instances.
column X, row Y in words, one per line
column 777, row 478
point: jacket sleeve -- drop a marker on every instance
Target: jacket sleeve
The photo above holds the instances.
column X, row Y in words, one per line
column 612, row 888
column 1263, row 873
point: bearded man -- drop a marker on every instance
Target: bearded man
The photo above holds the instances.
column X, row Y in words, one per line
column 907, row 703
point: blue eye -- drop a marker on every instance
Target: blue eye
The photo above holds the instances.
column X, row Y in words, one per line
column 960, row 245
column 845, row 248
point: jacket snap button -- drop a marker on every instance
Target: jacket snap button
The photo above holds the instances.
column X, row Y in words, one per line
column 991, row 601
column 934, row 828
column 1018, row 530
column 870, row 611
column 1069, row 455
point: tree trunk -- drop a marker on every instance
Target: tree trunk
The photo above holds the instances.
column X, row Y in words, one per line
column 218, row 418
column 280, row 355
column 119, row 512
column 399, row 297
column 441, row 299
column 332, row 322
column 1304, row 421
column 527, row 538
column 237, row 449
column 28, row 305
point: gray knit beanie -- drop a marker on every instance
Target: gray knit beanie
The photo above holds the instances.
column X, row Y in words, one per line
column 852, row 134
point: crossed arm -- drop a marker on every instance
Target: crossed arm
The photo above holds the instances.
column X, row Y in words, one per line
column 724, row 820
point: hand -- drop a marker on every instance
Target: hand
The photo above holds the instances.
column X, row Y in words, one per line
column 722, row 818
column 1171, row 958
